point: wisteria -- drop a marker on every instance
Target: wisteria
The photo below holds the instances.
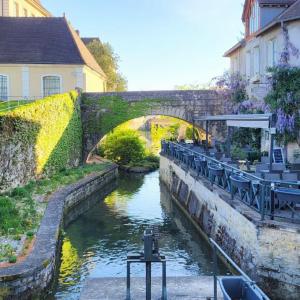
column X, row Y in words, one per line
column 289, row 48
column 285, row 122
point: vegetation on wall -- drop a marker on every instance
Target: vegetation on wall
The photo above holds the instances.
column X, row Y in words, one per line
column 116, row 111
column 284, row 101
column 46, row 135
column 109, row 62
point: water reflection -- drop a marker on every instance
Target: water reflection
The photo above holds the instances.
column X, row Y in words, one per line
column 96, row 244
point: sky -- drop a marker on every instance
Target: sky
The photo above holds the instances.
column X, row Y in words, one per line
column 161, row 43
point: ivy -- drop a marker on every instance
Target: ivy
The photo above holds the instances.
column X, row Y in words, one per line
column 51, row 126
column 114, row 110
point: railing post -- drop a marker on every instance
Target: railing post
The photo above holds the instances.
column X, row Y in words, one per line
column 262, row 201
column 215, row 272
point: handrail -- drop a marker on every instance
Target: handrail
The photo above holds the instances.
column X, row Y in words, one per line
column 235, row 266
column 259, row 195
column 238, row 171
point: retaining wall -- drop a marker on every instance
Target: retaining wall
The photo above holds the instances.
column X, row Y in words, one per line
column 30, row 278
column 268, row 251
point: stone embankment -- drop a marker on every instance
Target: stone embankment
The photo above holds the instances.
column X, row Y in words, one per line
column 267, row 250
column 30, row 278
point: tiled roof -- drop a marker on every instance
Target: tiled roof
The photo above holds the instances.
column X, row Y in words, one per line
column 267, row 2
column 276, row 2
column 291, row 13
column 42, row 41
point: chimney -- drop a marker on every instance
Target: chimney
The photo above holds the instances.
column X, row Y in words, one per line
column 78, row 32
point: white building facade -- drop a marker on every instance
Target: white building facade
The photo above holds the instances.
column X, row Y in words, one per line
column 272, row 27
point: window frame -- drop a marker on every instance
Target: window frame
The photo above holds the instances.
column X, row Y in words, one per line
column 7, row 80
column 51, row 75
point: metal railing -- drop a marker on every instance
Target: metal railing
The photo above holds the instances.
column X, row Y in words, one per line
column 15, row 101
column 247, row 279
column 248, row 188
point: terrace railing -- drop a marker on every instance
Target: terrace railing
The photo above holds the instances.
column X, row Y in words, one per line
column 275, row 199
column 14, row 102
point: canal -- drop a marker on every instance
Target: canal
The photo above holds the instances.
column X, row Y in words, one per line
column 96, row 243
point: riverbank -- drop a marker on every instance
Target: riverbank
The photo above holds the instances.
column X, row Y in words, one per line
column 34, row 270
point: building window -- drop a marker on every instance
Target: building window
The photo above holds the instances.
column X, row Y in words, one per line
column 256, row 58
column 17, row 12
column 3, row 87
column 25, row 12
column 51, row 85
column 272, row 59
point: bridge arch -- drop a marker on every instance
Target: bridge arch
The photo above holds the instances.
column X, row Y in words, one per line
column 102, row 112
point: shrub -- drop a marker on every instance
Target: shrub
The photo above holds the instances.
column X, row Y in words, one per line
column 238, row 153
column 123, row 147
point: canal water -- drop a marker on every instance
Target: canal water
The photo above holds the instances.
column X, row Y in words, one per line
column 96, row 244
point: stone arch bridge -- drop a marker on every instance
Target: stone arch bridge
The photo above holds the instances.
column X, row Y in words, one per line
column 102, row 112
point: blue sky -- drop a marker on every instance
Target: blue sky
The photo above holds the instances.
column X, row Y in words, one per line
column 162, row 43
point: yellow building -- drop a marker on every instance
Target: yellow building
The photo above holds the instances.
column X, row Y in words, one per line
column 44, row 56
column 23, row 8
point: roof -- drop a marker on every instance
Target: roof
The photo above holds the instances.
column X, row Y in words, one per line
column 42, row 41
column 267, row 2
column 234, row 48
column 290, row 14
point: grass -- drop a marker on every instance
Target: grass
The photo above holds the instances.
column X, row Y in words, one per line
column 20, row 212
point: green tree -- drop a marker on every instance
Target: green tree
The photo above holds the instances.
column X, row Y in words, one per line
column 109, row 62
column 123, row 147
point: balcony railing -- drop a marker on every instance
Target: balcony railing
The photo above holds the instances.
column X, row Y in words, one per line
column 275, row 199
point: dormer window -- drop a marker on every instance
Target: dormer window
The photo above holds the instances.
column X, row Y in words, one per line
column 254, row 18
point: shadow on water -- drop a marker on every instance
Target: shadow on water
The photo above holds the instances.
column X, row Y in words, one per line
column 96, row 243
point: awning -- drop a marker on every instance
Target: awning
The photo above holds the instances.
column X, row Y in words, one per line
column 243, row 120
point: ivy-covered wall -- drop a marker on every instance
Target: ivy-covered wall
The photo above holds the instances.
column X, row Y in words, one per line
column 40, row 138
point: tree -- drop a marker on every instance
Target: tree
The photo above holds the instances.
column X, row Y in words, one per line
column 123, row 147
column 109, row 62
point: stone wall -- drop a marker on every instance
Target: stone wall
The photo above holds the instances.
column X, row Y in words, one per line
column 268, row 251
column 31, row 277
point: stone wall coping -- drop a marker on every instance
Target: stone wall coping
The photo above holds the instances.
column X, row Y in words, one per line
column 44, row 249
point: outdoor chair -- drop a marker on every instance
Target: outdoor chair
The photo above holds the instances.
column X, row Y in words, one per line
column 216, row 173
column 260, row 167
column 272, row 176
column 265, row 160
column 278, row 167
column 286, row 197
column 289, row 176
